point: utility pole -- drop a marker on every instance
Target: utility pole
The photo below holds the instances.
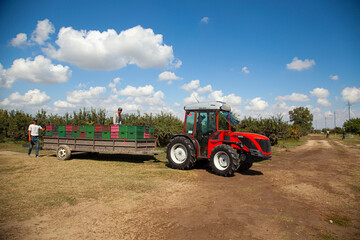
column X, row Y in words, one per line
column 334, row 123
column 349, row 105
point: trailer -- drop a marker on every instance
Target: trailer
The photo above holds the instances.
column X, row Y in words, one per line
column 64, row 146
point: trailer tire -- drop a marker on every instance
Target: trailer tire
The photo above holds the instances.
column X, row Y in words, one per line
column 181, row 153
column 224, row 160
column 63, row 152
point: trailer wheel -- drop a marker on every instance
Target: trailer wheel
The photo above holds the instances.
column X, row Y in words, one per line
column 181, row 153
column 63, row 152
column 224, row 160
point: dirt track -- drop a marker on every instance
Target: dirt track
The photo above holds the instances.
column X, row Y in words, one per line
column 295, row 196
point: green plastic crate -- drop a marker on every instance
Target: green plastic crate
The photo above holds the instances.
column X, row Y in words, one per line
column 151, row 130
column 48, row 133
column 90, row 134
column 90, row 128
column 82, row 128
column 137, row 135
column 61, row 128
column 61, row 133
column 106, row 135
column 123, row 135
column 75, row 134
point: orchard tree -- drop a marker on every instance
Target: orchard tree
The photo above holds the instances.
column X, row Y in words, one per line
column 302, row 118
column 352, row 125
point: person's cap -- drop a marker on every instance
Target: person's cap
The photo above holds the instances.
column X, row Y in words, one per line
column 120, row 108
column 34, row 119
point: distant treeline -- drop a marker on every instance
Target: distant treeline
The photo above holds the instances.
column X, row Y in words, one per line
column 14, row 123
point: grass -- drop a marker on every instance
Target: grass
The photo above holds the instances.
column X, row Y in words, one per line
column 29, row 186
column 339, row 220
column 351, row 141
column 284, row 145
column 327, row 236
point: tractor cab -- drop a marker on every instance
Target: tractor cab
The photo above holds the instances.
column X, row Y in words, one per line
column 207, row 135
column 204, row 120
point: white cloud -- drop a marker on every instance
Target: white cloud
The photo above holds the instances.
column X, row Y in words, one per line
column 114, row 83
column 351, row 94
column 205, row 20
column 63, row 104
column 328, row 114
column 191, row 85
column 177, row 104
column 39, row 70
column 19, row 40
column 300, row 65
column 84, row 96
column 320, row 93
column 257, row 104
column 137, row 91
column 334, row 77
column 30, row 98
column 194, row 98
column 205, row 89
column 323, row 102
column 230, row 99
column 168, row 76
column 42, row 31
column 294, row 97
column 108, row 50
column 6, row 80
column 245, row 70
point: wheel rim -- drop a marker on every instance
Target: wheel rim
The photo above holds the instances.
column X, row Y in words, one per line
column 221, row 160
column 178, row 153
column 61, row 153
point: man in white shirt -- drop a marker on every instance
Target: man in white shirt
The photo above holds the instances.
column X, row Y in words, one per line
column 33, row 132
column 117, row 117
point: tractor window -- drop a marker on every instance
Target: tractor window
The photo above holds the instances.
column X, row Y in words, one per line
column 225, row 119
column 189, row 125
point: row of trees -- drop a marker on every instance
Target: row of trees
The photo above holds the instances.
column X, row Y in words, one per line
column 14, row 124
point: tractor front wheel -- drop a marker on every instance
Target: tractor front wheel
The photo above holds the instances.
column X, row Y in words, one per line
column 181, row 153
column 224, row 160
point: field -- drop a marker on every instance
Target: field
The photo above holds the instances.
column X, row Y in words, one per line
column 309, row 190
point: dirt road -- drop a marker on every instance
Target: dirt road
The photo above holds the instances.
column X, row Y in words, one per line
column 310, row 192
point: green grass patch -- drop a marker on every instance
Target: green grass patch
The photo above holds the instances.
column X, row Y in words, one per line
column 285, row 145
column 326, row 236
column 339, row 220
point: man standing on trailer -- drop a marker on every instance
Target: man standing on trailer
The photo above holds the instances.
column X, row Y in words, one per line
column 33, row 133
column 117, row 117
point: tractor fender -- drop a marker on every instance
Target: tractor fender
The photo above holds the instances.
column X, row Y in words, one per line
column 193, row 141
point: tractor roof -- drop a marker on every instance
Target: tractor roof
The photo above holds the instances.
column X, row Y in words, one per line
column 209, row 106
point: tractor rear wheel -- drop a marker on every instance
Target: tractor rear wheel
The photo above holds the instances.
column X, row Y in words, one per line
column 224, row 160
column 181, row 153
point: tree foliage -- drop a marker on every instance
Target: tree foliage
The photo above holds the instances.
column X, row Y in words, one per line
column 302, row 120
column 352, row 126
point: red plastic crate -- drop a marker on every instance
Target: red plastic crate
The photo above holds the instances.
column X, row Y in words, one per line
column 68, row 128
column 98, row 128
column 114, row 135
column 114, row 129
column 148, row 135
column 83, row 134
column 76, row 128
column 49, row 128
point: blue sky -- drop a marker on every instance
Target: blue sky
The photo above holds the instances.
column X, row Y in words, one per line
column 262, row 57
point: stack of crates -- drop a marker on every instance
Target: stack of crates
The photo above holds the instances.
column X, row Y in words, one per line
column 114, row 132
column 100, row 131
column 149, row 132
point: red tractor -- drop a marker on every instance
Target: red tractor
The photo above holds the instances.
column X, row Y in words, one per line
column 207, row 135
